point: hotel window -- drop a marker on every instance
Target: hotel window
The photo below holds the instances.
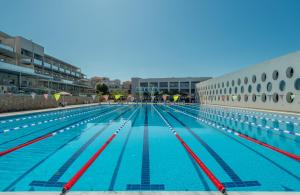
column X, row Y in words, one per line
column 275, row 75
column 153, row 84
column 193, row 84
column 269, row 86
column 173, row 84
column 290, row 97
column 184, row 85
column 297, row 84
column 275, row 97
column 263, row 77
column 163, row 84
column 289, row 72
column 253, row 79
column 246, row 80
column 282, row 85
column 263, row 97
column 143, row 84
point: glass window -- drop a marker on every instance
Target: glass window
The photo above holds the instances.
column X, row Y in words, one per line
column 153, row 84
column 246, row 98
column 269, row 86
column 254, row 98
column 275, row 74
column 227, row 84
column 297, row 84
column 253, row 79
column 242, row 89
column 230, row 91
column 239, row 81
column 289, row 72
column 275, row 97
column 249, row 88
column 263, row 97
column 163, row 84
column 290, row 97
column 173, row 84
column 282, row 85
column 184, row 85
column 232, row 82
column 235, row 90
column 263, row 77
column 246, row 80
column 258, row 88
column 144, row 84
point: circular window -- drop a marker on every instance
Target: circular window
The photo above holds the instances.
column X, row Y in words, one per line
column 235, row 90
column 225, row 91
column 239, row 97
column 282, row 85
column 297, row 84
column 239, row 81
column 227, row 83
column 230, row 90
column 275, row 75
column 232, row 82
column 275, row 97
column 246, row 80
column 289, row 72
column 242, row 89
column 254, row 98
column 258, row 88
column 222, row 84
column 253, row 79
column 246, row 98
column 263, row 77
column 263, row 97
column 290, row 97
column 249, row 88
column 269, row 86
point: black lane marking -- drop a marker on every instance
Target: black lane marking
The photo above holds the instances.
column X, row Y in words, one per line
column 53, row 181
column 145, row 172
column 117, row 167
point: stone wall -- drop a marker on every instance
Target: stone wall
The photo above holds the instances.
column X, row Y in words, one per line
column 11, row 102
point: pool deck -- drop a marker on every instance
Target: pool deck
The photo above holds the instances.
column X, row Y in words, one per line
column 151, row 193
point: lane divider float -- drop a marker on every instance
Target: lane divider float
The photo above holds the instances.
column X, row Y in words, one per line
column 234, row 132
column 53, row 133
column 83, row 169
column 209, row 174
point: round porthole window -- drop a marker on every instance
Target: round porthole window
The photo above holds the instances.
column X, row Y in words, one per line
column 225, row 91
column 227, row 84
column 253, row 79
column 222, row 84
column 263, row 97
column 258, row 88
column 246, row 98
column 235, row 90
column 246, row 80
column 289, row 72
column 275, row 97
column 239, row 81
column 249, row 88
column 275, row 74
column 239, row 97
column 242, row 89
column 230, row 90
column 232, row 82
column 263, row 77
column 290, row 97
column 254, row 98
column 269, row 86
column 282, row 85
column 297, row 84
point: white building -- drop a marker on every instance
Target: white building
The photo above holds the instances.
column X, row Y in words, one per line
column 185, row 85
column 272, row 85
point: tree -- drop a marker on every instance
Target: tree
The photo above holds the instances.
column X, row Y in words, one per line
column 102, row 88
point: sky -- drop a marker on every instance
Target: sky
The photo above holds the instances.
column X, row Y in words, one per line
column 157, row 38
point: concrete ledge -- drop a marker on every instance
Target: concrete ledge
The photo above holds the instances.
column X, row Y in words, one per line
column 152, row 193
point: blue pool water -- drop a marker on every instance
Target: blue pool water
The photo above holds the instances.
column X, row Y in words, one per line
column 145, row 154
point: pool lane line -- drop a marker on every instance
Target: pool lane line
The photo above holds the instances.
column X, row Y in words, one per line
column 38, row 115
column 83, row 169
column 52, row 126
column 256, row 117
column 50, row 134
column 41, row 161
column 291, row 155
column 145, row 170
column 209, row 174
column 117, row 167
column 53, row 181
column 46, row 120
column 237, row 181
column 234, row 132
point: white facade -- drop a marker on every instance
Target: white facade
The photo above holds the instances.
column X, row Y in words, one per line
column 271, row 85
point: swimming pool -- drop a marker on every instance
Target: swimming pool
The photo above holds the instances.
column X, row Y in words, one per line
column 151, row 147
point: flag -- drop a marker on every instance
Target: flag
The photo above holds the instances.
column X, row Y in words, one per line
column 176, row 97
column 118, row 96
column 56, row 96
column 33, row 95
column 165, row 97
column 46, row 96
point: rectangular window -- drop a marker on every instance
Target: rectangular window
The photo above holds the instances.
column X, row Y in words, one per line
column 143, row 84
column 163, row 84
column 185, row 85
column 173, row 84
column 153, row 84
